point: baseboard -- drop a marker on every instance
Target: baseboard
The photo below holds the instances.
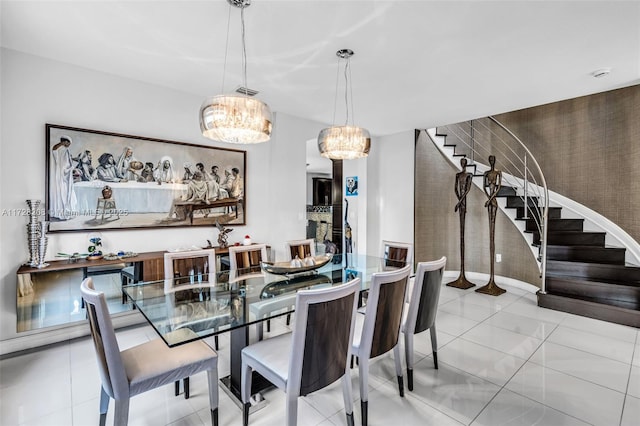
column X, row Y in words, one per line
column 479, row 277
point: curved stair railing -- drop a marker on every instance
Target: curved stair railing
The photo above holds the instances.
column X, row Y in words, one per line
column 520, row 171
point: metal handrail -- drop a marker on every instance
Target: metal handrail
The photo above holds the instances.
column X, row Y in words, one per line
column 545, row 214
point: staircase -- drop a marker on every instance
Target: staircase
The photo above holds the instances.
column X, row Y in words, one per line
column 584, row 276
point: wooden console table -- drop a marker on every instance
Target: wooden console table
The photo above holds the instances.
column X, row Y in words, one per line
column 151, row 263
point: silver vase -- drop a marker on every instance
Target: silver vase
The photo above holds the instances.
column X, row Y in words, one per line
column 33, row 233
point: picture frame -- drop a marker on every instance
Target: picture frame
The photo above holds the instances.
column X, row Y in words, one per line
column 98, row 180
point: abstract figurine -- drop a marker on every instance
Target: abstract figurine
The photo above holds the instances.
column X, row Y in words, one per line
column 462, row 188
column 492, row 185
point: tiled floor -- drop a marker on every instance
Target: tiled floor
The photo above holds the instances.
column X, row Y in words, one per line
column 503, row 361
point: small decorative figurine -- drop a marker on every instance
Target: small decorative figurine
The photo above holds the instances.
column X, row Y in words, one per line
column 222, row 236
column 107, row 192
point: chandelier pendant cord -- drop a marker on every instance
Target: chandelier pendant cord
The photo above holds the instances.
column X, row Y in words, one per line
column 244, row 52
column 346, row 92
column 335, row 96
column 226, row 50
column 353, row 116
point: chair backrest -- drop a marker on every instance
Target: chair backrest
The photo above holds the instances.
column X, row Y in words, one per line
column 300, row 248
column 322, row 336
column 112, row 372
column 423, row 303
column 383, row 314
column 247, row 257
column 189, row 267
column 397, row 251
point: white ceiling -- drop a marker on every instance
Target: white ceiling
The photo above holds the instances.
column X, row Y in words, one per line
column 417, row 64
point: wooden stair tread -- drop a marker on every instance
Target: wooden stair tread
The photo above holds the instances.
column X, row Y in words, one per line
column 590, row 308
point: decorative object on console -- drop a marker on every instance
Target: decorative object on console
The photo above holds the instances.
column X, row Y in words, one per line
column 33, row 231
column 222, row 236
column 247, row 240
column 95, row 248
column 344, row 142
column 236, row 118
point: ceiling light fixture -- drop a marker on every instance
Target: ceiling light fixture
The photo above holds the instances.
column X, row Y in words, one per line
column 346, row 142
column 236, row 118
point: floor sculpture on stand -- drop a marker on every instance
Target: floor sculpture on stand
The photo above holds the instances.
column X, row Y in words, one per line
column 492, row 185
column 462, row 188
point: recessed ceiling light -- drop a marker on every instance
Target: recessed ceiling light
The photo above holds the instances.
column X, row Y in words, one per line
column 602, row 72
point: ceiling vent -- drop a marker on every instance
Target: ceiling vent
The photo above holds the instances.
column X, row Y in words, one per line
column 246, row 91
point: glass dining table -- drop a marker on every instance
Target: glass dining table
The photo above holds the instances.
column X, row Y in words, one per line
column 231, row 301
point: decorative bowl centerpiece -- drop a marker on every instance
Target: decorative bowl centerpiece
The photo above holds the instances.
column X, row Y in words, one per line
column 297, row 265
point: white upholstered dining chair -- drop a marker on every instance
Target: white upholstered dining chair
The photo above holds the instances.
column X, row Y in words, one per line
column 422, row 309
column 143, row 367
column 378, row 330
column 300, row 248
column 191, row 267
column 311, row 357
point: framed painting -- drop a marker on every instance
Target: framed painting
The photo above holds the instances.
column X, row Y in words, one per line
column 105, row 181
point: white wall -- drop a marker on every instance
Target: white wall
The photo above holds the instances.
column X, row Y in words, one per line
column 390, row 205
column 35, row 91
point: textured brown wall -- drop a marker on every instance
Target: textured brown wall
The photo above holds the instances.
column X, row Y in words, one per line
column 437, row 229
column 589, row 150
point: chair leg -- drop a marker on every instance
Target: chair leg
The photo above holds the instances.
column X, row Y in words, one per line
column 434, row 345
column 216, row 343
column 121, row 414
column 245, row 391
column 245, row 413
column 186, row 387
column 396, row 357
column 363, row 369
column 260, row 328
column 347, row 394
column 176, row 386
column 104, row 401
column 364, row 410
column 292, row 410
column 212, row 376
column 214, row 417
column 288, row 319
column 268, row 326
column 408, row 351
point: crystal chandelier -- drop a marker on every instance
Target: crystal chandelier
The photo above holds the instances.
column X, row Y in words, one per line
column 346, row 142
column 236, row 118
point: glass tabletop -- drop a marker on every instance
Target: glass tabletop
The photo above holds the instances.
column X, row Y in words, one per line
column 183, row 309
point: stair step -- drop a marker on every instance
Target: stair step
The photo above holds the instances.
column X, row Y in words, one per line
column 554, row 212
column 572, row 238
column 625, row 295
column 514, row 201
column 622, row 274
column 507, row 191
column 556, row 225
column 587, row 254
column 589, row 308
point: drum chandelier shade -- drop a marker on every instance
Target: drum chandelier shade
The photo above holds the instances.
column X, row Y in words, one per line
column 236, row 118
column 346, row 142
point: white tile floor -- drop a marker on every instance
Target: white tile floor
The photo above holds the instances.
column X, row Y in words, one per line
column 503, row 361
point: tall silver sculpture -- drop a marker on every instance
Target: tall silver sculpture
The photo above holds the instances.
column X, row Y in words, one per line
column 36, row 236
column 462, row 188
column 492, row 185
